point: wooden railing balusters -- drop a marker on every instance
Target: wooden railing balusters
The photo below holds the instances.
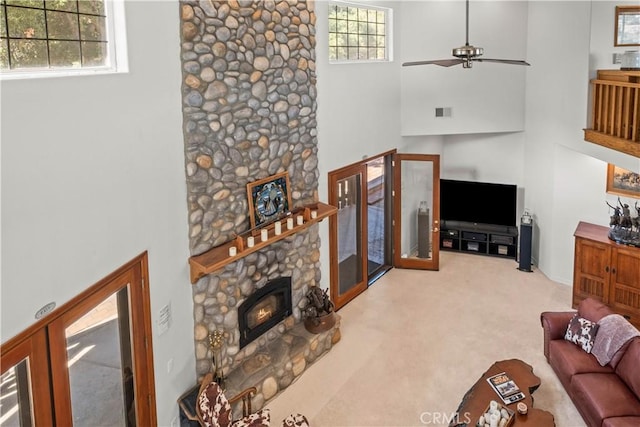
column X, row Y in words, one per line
column 616, row 111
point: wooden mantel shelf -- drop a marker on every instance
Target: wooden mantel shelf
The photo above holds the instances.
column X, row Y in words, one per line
column 216, row 258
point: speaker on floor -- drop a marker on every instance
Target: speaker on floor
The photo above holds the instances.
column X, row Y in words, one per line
column 526, row 237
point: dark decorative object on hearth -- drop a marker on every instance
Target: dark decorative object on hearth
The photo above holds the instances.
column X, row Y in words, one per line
column 318, row 314
column 624, row 229
column 215, row 344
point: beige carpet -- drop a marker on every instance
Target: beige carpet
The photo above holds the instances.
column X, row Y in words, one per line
column 415, row 341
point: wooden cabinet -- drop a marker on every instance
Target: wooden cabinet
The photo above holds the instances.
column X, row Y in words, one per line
column 607, row 271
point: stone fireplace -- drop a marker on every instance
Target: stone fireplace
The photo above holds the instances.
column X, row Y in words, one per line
column 249, row 111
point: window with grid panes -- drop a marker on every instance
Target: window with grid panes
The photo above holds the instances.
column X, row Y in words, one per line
column 37, row 35
column 358, row 33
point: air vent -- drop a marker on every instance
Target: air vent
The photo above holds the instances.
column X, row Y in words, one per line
column 443, row 111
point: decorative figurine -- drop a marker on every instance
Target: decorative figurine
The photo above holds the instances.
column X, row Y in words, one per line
column 623, row 228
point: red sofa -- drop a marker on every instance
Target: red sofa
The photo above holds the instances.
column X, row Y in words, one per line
column 605, row 396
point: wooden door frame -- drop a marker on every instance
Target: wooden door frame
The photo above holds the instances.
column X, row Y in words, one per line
column 137, row 271
column 433, row 263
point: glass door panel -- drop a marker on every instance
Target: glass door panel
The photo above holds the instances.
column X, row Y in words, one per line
column 94, row 362
column 15, row 400
column 376, row 185
column 349, row 276
column 417, row 211
column 99, row 362
column 23, row 403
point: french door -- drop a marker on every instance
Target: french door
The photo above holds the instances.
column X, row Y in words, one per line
column 388, row 215
column 359, row 247
column 416, row 218
column 348, row 266
column 88, row 363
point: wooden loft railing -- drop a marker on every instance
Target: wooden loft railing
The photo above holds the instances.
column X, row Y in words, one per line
column 615, row 114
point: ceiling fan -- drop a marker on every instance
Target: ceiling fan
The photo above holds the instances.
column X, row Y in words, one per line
column 466, row 55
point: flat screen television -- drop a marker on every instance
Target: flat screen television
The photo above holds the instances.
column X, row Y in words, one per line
column 478, row 202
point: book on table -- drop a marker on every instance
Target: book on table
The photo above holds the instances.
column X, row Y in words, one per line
column 506, row 388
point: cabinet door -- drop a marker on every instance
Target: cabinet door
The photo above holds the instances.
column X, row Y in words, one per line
column 624, row 294
column 591, row 271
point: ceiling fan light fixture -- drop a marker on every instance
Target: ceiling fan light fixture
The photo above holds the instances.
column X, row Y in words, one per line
column 466, row 54
column 467, row 51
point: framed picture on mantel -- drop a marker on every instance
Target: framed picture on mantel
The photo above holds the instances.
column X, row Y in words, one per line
column 622, row 182
column 269, row 199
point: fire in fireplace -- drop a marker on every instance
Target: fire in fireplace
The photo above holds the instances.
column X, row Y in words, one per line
column 264, row 309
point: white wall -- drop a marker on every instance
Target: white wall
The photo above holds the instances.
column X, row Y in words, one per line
column 564, row 175
column 358, row 110
column 92, row 175
column 486, row 98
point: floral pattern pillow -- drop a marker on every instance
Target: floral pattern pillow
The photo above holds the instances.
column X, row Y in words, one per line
column 581, row 332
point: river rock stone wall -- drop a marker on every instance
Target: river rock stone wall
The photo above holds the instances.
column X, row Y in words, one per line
column 249, row 111
column 249, row 107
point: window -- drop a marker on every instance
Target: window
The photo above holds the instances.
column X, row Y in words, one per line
column 56, row 36
column 358, row 33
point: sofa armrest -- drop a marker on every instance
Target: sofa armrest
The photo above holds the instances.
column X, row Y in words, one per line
column 554, row 324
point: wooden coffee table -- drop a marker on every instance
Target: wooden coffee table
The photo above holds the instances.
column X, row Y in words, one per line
column 476, row 400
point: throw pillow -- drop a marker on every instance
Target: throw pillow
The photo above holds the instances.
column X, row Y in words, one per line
column 581, row 332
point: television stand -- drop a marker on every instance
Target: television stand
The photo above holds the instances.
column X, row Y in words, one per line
column 484, row 239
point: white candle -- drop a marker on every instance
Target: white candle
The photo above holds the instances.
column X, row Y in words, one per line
column 264, row 235
column 314, row 214
column 300, row 220
column 346, row 187
column 233, row 251
column 339, row 189
column 289, row 223
column 250, row 241
column 278, row 228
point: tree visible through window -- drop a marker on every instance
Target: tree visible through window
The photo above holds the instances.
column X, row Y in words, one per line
column 37, row 34
column 357, row 33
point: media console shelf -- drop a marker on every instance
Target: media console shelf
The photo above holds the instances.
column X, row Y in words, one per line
column 216, row 258
column 485, row 239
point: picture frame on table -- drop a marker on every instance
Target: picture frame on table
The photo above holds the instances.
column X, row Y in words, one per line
column 622, row 182
column 269, row 199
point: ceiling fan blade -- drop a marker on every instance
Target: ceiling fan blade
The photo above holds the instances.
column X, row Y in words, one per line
column 440, row 62
column 503, row 61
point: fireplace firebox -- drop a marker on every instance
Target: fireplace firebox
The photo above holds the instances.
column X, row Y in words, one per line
column 264, row 309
